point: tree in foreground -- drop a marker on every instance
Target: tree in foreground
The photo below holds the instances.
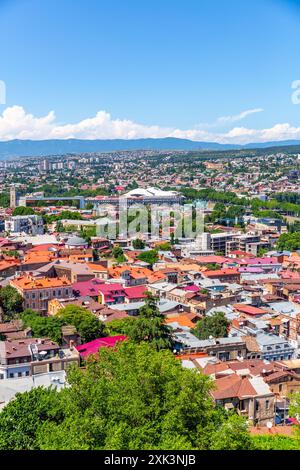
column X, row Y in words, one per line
column 21, row 418
column 121, row 326
column 276, row 442
column 215, row 325
column 150, row 326
column 129, row 398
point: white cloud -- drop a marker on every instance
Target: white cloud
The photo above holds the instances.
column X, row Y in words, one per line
column 224, row 121
column 16, row 123
column 240, row 116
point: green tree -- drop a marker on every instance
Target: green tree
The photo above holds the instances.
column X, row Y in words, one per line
column 43, row 327
column 289, row 242
column 149, row 326
column 118, row 254
column 138, row 244
column 23, row 211
column 122, row 326
column 150, row 256
column 130, row 398
column 4, row 199
column 87, row 325
column 233, row 434
column 22, row 417
column 11, row 302
column 275, row 442
column 166, row 246
column 215, row 325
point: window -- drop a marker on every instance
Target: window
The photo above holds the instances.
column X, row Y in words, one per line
column 280, row 387
column 243, row 405
column 11, row 375
column 256, row 405
column 19, row 374
column 27, row 373
column 267, row 404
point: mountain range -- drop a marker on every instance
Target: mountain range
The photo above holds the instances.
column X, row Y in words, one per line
column 31, row 148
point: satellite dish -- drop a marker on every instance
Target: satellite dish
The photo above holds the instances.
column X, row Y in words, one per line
column 269, row 425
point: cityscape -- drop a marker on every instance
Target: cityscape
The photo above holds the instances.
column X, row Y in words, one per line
column 149, row 273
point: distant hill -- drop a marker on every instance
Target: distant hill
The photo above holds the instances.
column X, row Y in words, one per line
column 28, row 148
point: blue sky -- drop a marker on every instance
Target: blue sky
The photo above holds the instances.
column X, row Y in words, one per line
column 202, row 69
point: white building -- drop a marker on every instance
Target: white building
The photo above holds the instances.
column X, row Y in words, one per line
column 201, row 246
column 29, row 224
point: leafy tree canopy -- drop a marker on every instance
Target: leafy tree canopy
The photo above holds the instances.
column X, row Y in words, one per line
column 289, row 242
column 43, row 327
column 138, row 244
column 11, row 302
column 132, row 398
column 150, row 256
column 87, row 325
column 149, row 326
column 23, row 211
column 215, row 325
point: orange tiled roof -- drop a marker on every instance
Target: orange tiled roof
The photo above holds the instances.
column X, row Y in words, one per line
column 39, row 257
column 5, row 264
column 29, row 283
column 233, row 386
column 156, row 276
column 182, row 320
column 97, row 267
column 191, row 356
column 249, row 310
column 135, row 272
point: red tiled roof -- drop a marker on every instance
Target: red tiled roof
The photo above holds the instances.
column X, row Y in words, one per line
column 135, row 292
column 88, row 288
column 249, row 310
column 222, row 272
column 233, row 386
column 93, row 347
